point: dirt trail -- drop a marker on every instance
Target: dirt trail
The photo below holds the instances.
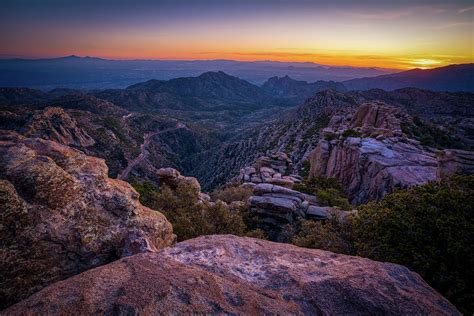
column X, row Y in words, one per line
column 144, row 150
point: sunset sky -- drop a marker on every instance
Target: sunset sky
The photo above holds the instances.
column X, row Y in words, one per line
column 392, row 34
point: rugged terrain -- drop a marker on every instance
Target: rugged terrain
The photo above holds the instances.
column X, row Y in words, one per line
column 66, row 157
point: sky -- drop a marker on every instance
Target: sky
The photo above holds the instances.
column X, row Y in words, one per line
column 391, row 34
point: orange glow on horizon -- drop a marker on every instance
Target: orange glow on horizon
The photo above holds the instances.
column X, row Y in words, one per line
column 354, row 60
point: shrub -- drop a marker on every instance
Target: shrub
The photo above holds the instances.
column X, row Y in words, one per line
column 334, row 235
column 304, row 169
column 333, row 197
column 231, row 194
column 190, row 217
column 327, row 190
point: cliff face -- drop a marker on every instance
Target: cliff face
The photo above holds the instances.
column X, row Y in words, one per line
column 367, row 152
column 61, row 215
column 368, row 168
column 233, row 275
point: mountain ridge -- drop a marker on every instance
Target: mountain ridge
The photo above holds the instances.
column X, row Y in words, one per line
column 453, row 78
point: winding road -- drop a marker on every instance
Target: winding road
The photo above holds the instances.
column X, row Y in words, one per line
column 144, row 150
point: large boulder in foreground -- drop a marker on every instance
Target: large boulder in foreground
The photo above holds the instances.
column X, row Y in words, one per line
column 60, row 215
column 234, row 275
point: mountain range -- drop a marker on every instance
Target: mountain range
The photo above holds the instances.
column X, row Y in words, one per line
column 97, row 73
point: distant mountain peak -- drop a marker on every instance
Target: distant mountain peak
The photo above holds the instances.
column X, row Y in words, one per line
column 215, row 74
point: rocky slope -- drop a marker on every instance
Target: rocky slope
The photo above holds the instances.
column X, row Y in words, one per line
column 295, row 133
column 61, row 215
column 231, row 275
column 438, row 119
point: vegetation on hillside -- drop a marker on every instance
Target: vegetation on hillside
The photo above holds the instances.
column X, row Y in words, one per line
column 431, row 135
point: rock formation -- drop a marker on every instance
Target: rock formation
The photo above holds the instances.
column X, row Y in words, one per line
column 278, row 205
column 233, row 275
column 62, row 215
column 274, row 169
column 367, row 153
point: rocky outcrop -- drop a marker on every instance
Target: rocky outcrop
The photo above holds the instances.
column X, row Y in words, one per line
column 366, row 152
column 234, row 275
column 56, row 125
column 278, row 205
column 368, row 168
column 376, row 118
column 452, row 162
column 274, row 169
column 61, row 215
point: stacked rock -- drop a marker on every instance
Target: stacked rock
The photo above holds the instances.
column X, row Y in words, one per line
column 275, row 169
column 279, row 205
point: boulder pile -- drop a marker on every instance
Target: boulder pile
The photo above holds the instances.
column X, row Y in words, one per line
column 274, row 169
column 278, row 205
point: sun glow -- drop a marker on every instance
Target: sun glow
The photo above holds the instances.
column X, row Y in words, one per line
column 426, row 63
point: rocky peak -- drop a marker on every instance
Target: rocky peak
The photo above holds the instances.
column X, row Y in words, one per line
column 55, row 124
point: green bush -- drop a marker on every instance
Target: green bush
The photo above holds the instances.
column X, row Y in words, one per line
column 430, row 229
column 431, row 135
column 334, row 235
column 327, row 190
column 333, row 197
column 304, row 169
column 231, row 194
column 192, row 218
